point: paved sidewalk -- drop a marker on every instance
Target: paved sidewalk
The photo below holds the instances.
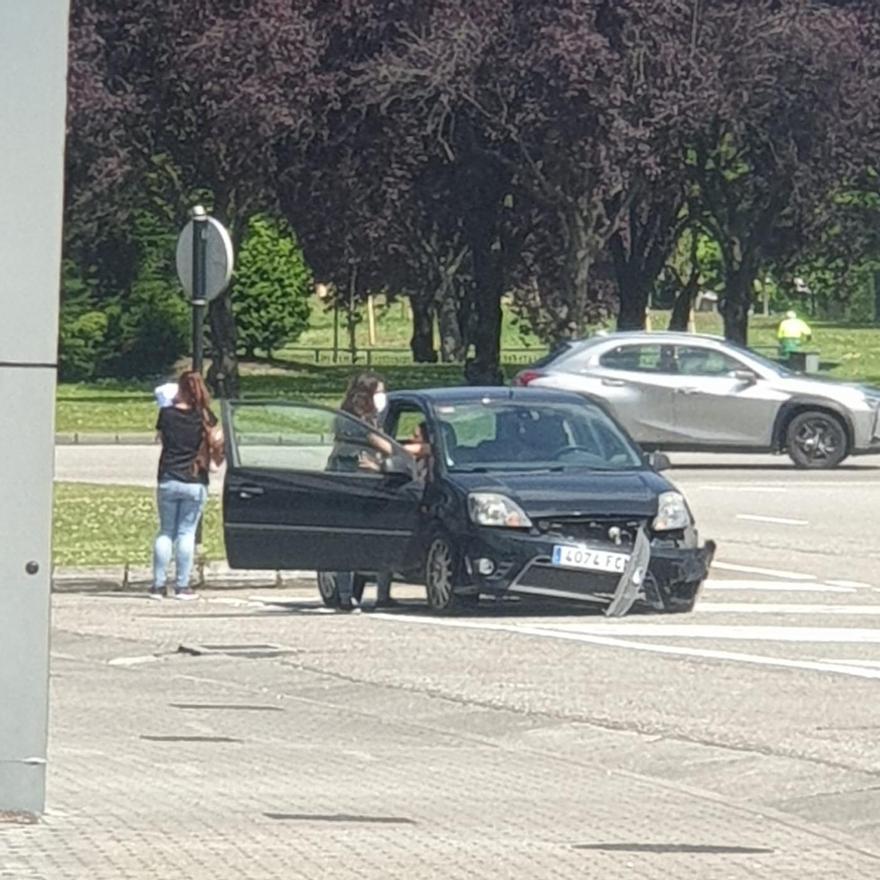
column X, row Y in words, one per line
column 257, row 758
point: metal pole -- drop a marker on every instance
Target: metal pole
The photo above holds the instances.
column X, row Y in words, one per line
column 199, row 306
column 199, row 271
column 33, row 64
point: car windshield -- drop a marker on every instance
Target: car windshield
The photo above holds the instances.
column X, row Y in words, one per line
column 506, row 435
column 765, row 362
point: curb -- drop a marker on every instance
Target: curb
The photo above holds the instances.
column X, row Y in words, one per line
column 124, row 578
column 95, row 439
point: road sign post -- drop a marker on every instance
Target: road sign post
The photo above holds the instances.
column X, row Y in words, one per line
column 199, row 303
column 204, row 267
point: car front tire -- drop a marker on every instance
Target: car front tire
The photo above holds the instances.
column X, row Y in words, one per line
column 442, row 567
column 816, row 440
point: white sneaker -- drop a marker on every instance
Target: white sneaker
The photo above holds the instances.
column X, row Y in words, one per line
column 186, row 595
column 156, row 593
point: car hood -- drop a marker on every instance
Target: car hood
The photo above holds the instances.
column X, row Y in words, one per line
column 573, row 492
column 835, row 389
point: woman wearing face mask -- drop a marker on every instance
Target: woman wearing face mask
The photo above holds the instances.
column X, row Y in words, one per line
column 366, row 400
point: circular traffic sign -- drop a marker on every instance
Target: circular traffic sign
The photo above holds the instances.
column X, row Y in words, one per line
column 218, row 257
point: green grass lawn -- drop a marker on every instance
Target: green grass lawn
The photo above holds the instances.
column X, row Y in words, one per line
column 122, row 407
column 108, row 525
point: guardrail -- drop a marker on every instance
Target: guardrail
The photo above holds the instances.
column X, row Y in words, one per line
column 370, row 356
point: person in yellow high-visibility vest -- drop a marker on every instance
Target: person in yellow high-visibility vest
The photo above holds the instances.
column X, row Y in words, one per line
column 793, row 332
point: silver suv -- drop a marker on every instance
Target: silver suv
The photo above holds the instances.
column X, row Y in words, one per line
column 679, row 391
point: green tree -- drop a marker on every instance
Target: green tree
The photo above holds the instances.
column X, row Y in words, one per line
column 273, row 285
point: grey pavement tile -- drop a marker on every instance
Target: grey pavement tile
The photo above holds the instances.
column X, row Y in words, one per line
column 396, row 754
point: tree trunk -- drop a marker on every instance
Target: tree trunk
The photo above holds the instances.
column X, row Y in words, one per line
column 223, row 378
column 633, row 306
column 681, row 311
column 684, row 303
column 451, row 341
column 579, row 261
column 485, row 367
column 486, row 188
column 737, row 302
column 422, row 341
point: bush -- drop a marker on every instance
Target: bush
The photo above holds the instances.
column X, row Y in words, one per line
column 273, row 286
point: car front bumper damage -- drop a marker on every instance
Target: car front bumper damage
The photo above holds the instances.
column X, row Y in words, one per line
column 659, row 576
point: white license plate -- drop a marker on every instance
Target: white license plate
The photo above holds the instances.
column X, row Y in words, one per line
column 589, row 559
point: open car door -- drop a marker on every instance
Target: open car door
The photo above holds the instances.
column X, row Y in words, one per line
column 308, row 488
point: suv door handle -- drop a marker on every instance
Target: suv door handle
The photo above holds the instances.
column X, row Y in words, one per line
column 614, row 383
column 246, row 492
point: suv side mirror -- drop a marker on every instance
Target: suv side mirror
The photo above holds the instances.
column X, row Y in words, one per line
column 749, row 377
column 658, row 461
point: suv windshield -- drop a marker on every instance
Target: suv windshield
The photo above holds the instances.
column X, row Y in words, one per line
column 509, row 436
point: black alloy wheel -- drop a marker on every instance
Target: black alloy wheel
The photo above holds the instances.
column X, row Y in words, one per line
column 816, row 440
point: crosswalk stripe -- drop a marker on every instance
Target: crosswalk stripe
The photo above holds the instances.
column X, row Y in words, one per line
column 768, row 572
column 785, row 608
column 777, row 586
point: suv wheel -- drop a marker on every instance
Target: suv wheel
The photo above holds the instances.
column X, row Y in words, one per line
column 441, row 573
column 816, row 439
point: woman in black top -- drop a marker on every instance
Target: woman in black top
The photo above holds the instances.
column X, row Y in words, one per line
column 355, row 449
column 191, row 439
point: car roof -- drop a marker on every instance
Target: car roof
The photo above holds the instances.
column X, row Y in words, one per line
column 456, row 395
column 668, row 336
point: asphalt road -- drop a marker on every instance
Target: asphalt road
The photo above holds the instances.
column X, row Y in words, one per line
column 750, row 724
column 761, row 510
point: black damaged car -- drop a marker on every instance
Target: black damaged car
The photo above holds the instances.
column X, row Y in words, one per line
column 526, row 491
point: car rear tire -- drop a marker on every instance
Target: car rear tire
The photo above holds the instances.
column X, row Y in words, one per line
column 328, row 589
column 816, row 440
column 442, row 567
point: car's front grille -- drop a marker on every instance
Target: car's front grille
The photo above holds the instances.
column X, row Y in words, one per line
column 618, row 531
column 550, row 578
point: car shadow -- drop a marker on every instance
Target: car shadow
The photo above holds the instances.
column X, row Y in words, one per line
column 489, row 608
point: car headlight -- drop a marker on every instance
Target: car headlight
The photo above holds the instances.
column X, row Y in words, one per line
column 672, row 513
column 492, row 509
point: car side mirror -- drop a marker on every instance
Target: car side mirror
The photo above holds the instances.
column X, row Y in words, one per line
column 746, row 376
column 658, row 461
column 398, row 467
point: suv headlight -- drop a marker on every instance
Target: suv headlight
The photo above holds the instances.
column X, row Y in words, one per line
column 492, row 509
column 672, row 513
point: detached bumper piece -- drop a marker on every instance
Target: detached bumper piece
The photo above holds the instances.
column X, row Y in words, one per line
column 675, row 578
column 630, row 588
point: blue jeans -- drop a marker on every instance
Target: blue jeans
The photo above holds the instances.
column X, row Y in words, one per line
column 180, row 506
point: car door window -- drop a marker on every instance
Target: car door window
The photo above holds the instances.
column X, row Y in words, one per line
column 699, row 361
column 300, row 438
column 641, row 358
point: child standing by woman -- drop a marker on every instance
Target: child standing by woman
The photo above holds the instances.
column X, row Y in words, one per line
column 191, row 439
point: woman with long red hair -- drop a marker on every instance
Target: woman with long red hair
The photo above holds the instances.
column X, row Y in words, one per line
column 191, row 439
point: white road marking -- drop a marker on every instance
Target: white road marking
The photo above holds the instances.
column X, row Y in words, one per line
column 741, row 633
column 857, row 585
column 872, row 664
column 777, row 587
column 773, row 608
column 736, row 488
column 777, row 520
column 768, row 572
column 857, row 671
